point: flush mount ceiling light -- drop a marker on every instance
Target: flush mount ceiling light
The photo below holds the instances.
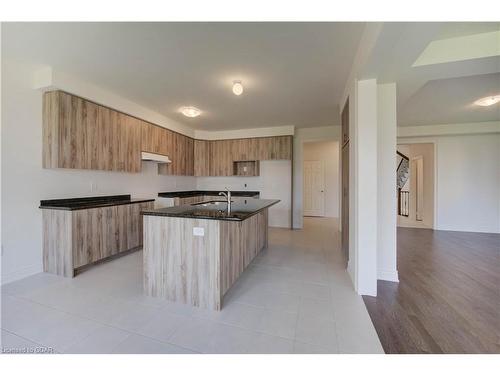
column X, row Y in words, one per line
column 190, row 111
column 237, row 88
column 487, row 101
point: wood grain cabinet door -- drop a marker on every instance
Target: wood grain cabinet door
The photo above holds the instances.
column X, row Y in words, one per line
column 76, row 127
column 189, row 156
column 265, row 148
column 109, row 143
column 131, row 148
column 252, row 148
column 285, row 148
column 217, row 150
column 151, row 138
column 201, row 158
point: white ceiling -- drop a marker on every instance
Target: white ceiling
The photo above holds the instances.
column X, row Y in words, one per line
column 457, row 29
column 440, row 92
column 449, row 101
column 293, row 73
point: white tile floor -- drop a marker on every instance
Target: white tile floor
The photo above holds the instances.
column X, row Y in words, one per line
column 294, row 298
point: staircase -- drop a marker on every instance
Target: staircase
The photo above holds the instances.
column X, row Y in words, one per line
column 402, row 173
column 403, row 170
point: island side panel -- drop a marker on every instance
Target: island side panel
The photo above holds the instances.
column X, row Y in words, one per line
column 57, row 242
column 179, row 266
column 241, row 242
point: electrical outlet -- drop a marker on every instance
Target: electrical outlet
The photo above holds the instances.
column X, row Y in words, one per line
column 198, row 231
column 245, row 185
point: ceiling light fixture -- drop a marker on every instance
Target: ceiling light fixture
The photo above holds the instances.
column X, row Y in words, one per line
column 487, row 101
column 190, row 111
column 237, row 88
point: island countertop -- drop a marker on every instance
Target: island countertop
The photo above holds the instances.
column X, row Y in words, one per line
column 240, row 210
column 71, row 204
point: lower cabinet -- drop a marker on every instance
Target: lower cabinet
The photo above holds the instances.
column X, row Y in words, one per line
column 73, row 239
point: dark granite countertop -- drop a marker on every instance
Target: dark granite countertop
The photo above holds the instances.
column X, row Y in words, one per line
column 195, row 193
column 89, row 202
column 240, row 210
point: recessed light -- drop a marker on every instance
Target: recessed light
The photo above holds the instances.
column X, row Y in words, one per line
column 237, row 88
column 190, row 111
column 487, row 101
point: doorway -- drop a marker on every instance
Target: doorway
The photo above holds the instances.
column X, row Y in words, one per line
column 314, row 188
column 416, row 193
column 320, row 192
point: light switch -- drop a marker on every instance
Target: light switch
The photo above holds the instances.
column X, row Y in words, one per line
column 198, row 231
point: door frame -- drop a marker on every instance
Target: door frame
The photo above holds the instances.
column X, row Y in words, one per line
column 434, row 143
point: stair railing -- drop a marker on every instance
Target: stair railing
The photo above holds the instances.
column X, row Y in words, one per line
column 403, row 196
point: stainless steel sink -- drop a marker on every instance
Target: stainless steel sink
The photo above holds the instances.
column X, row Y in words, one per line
column 213, row 204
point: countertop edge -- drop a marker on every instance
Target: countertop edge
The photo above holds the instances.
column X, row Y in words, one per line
column 96, row 205
column 194, row 193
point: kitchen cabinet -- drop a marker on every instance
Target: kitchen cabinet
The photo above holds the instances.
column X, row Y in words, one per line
column 116, row 142
column 79, row 134
column 201, row 158
column 182, row 157
column 245, row 149
column 156, row 139
column 78, row 238
column 221, row 162
column 246, row 168
column 189, row 155
column 275, row 148
column 69, row 132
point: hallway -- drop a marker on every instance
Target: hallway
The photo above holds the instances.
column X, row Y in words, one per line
column 447, row 300
column 295, row 298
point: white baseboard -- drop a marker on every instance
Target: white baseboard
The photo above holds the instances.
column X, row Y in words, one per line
column 21, row 273
column 388, row 275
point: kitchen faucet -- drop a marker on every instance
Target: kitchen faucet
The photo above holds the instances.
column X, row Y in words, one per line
column 228, row 197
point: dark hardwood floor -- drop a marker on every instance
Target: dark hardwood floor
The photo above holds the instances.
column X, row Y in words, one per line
column 448, row 297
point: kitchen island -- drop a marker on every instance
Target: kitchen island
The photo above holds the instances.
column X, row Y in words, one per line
column 194, row 253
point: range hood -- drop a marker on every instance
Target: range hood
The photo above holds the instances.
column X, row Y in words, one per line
column 156, row 158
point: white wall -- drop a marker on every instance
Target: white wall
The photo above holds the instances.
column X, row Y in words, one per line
column 25, row 182
column 302, row 135
column 274, row 182
column 386, row 179
column 328, row 152
column 467, row 181
column 366, row 215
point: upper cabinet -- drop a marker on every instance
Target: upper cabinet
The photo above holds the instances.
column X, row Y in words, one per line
column 221, row 161
column 182, row 156
column 275, row 148
column 156, row 139
column 80, row 134
column 201, row 158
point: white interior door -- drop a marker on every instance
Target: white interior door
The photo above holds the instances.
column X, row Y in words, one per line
column 314, row 188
